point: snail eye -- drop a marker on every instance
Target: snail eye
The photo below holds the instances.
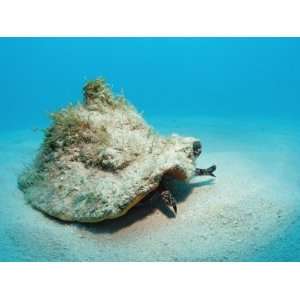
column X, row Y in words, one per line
column 197, row 148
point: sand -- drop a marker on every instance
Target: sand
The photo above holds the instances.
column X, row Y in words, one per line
column 250, row 212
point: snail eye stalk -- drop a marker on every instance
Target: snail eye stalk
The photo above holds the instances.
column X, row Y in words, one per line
column 197, row 148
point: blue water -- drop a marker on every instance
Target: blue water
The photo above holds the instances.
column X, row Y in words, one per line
column 242, row 95
column 231, row 76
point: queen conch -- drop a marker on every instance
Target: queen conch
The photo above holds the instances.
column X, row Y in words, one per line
column 100, row 158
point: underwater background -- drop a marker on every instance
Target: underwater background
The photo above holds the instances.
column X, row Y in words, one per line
column 240, row 96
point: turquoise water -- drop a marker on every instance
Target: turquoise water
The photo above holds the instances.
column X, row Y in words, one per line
column 240, row 96
column 160, row 76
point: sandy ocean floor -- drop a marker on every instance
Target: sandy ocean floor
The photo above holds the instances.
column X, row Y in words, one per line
column 250, row 212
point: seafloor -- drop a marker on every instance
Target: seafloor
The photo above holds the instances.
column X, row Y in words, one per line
column 250, row 212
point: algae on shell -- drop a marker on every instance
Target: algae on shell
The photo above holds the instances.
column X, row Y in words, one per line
column 100, row 158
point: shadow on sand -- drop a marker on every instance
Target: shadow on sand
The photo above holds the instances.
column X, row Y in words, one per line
column 147, row 207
